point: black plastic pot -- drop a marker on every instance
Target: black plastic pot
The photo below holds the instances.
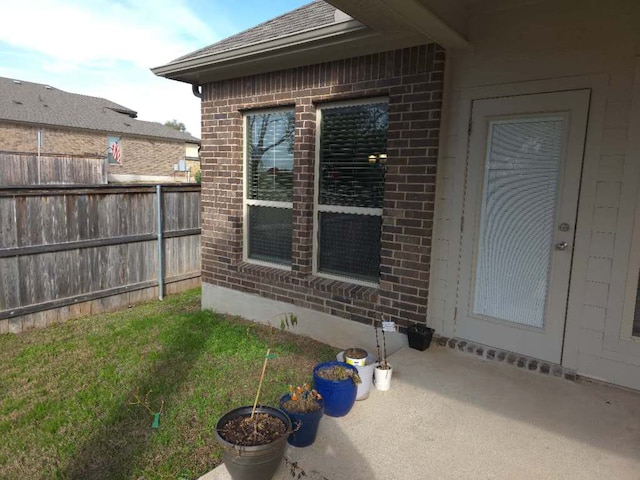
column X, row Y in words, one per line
column 419, row 336
column 253, row 463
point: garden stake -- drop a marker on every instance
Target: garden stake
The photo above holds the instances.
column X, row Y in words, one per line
column 384, row 346
column 264, row 369
column 377, row 341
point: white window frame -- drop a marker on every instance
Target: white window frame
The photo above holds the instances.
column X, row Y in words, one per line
column 317, row 208
column 247, row 202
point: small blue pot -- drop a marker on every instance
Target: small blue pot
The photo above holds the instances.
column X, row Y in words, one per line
column 338, row 395
column 304, row 425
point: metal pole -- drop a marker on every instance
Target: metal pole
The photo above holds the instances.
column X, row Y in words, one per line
column 39, row 144
column 160, row 243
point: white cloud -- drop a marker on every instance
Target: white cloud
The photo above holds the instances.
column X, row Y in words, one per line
column 105, row 48
column 146, row 33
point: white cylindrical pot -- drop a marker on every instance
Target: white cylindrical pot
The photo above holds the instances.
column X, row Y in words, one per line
column 382, row 377
column 366, row 375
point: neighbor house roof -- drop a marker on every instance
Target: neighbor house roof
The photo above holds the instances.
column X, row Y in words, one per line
column 35, row 103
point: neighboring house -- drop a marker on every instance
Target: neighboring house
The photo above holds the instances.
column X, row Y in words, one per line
column 334, row 187
column 70, row 124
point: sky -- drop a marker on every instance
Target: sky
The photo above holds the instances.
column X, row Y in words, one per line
column 105, row 48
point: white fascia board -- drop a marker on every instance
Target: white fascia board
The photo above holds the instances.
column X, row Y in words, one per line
column 288, row 41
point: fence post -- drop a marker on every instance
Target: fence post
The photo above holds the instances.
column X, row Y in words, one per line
column 39, row 139
column 160, row 243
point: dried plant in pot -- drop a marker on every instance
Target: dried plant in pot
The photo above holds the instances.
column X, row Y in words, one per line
column 254, row 438
column 305, row 408
column 383, row 370
column 337, row 383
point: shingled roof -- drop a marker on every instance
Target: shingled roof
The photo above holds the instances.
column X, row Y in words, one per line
column 314, row 15
column 35, row 103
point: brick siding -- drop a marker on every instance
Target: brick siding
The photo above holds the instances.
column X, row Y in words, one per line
column 141, row 156
column 412, row 80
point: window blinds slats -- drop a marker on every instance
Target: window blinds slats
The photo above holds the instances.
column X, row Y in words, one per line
column 353, row 154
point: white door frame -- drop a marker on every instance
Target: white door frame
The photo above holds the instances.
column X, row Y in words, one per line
column 598, row 84
column 571, row 108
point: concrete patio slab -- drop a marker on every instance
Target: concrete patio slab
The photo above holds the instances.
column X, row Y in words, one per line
column 452, row 416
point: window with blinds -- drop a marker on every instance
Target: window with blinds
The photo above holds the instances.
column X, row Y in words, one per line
column 350, row 190
column 269, row 185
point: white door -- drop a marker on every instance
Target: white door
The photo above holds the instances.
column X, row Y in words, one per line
column 524, row 166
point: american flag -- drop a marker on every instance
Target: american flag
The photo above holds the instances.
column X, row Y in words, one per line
column 115, row 152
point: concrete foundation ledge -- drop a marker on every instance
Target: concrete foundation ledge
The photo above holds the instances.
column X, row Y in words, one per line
column 335, row 331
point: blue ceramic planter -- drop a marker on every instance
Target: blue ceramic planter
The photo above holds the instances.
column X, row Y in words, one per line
column 304, row 425
column 338, row 395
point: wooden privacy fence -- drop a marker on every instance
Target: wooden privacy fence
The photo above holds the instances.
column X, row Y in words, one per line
column 29, row 169
column 70, row 251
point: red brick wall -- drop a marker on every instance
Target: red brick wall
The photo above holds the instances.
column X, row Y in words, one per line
column 412, row 81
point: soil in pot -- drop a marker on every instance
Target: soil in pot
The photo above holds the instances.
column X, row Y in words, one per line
column 338, row 372
column 262, row 430
column 355, row 356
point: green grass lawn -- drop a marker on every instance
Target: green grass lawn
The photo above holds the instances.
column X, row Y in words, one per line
column 68, row 394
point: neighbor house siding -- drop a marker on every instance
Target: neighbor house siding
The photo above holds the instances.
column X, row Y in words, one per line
column 141, row 156
column 557, row 40
column 146, row 156
column 411, row 79
column 23, row 138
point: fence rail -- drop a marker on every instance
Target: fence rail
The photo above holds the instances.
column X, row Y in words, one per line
column 63, row 246
column 31, row 169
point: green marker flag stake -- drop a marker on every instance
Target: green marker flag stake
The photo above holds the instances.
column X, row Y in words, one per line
column 156, row 420
column 271, row 356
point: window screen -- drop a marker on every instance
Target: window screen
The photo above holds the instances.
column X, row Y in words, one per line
column 352, row 153
column 352, row 163
column 350, row 245
column 269, row 185
column 270, row 156
column 270, row 234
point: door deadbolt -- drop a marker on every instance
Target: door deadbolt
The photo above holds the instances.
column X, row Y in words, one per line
column 564, row 227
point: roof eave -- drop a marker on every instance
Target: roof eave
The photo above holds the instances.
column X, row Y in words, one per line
column 343, row 40
column 175, row 70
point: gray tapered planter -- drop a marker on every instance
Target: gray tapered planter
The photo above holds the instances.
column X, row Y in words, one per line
column 253, row 463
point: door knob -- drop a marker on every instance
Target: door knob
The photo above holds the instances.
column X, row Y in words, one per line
column 561, row 246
